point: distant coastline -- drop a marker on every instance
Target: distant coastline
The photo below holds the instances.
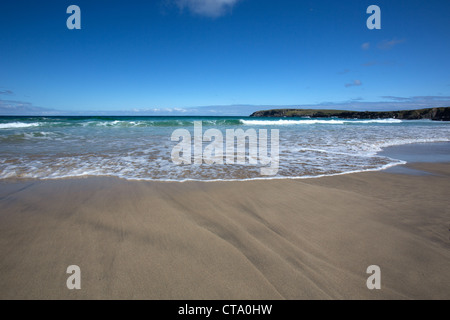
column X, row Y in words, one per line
column 437, row 114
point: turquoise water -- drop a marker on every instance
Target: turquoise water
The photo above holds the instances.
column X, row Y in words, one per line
column 140, row 147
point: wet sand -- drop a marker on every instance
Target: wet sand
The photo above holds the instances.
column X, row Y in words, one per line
column 280, row 239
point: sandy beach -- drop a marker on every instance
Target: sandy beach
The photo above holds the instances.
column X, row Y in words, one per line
column 280, row 239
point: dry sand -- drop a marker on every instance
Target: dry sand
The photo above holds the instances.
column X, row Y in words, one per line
column 280, row 239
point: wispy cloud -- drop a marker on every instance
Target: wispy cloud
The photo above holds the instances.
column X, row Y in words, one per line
column 209, row 8
column 379, row 63
column 369, row 63
column 12, row 107
column 389, row 44
column 355, row 83
column 344, row 71
column 396, row 98
column 6, row 92
column 365, row 46
column 231, row 110
column 423, row 100
column 386, row 103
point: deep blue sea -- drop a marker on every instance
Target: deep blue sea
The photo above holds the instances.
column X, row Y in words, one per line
column 140, row 147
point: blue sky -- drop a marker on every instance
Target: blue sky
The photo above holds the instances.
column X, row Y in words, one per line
column 222, row 56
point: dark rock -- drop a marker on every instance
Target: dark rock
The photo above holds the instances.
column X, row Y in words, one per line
column 438, row 114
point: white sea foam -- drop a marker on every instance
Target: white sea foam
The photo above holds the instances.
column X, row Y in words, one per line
column 14, row 125
column 376, row 121
column 283, row 122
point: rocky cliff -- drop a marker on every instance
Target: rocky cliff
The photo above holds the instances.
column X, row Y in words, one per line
column 440, row 114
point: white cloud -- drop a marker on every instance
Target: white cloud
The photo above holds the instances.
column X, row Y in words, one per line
column 425, row 100
column 365, row 46
column 344, row 71
column 12, row 107
column 388, row 44
column 6, row 92
column 209, row 8
column 355, row 83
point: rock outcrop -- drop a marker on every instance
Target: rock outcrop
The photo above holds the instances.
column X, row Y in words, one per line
column 438, row 114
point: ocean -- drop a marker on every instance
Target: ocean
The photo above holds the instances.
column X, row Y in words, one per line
column 140, row 148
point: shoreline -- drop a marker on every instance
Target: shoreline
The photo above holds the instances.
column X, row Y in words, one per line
column 406, row 153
